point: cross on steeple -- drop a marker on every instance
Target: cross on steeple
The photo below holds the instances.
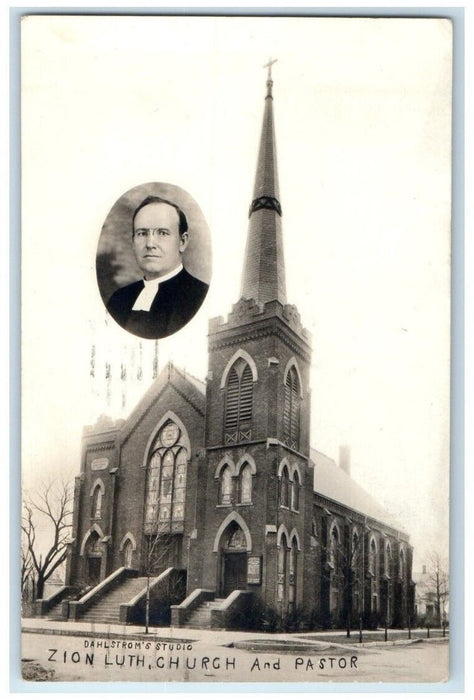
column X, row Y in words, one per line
column 269, row 66
column 269, row 76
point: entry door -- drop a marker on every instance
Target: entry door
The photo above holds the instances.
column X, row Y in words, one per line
column 235, row 572
column 94, row 570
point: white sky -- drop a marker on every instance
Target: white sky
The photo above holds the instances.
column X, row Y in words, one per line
column 362, row 111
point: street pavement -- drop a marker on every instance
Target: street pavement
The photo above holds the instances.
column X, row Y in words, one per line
column 70, row 651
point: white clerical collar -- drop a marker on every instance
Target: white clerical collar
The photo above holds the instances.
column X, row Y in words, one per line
column 144, row 300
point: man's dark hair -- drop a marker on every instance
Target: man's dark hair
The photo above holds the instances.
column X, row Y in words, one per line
column 153, row 199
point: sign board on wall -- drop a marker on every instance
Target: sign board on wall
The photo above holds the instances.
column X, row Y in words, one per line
column 254, row 570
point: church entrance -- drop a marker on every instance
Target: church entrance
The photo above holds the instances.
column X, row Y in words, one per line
column 93, row 560
column 235, row 572
column 233, row 560
column 93, row 570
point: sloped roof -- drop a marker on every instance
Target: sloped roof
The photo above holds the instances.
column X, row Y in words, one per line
column 198, row 383
column 191, row 387
column 334, row 483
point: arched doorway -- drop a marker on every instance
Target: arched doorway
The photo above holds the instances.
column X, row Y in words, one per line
column 93, row 559
column 233, row 560
column 127, row 554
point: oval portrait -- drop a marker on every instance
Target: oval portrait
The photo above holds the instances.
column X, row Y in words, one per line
column 154, row 260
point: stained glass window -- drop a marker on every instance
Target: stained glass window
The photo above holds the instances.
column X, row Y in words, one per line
column 166, row 481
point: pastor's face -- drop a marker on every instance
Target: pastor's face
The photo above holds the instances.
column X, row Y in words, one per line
column 156, row 241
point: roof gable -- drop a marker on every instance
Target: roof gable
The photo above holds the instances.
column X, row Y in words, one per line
column 189, row 387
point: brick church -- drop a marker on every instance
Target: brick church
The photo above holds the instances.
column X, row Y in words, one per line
column 218, row 480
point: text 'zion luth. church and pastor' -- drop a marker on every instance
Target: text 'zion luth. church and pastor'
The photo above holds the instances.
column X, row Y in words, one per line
column 209, row 496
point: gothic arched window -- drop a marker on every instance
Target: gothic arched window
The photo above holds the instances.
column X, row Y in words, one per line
column 373, row 558
column 295, row 491
column 402, row 565
column 166, row 484
column 388, row 560
column 293, row 553
column 334, row 576
column 355, row 550
column 291, row 408
column 245, row 484
column 285, row 488
column 225, row 495
column 239, row 403
column 333, row 548
column 97, row 502
column 282, row 557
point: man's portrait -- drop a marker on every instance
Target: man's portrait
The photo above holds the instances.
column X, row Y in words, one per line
column 153, row 261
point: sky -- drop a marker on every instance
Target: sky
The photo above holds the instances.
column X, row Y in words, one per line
column 362, row 114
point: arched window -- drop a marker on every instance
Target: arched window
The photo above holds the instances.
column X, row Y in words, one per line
column 97, row 502
column 373, row 557
column 402, row 565
column 285, row 487
column 295, row 491
column 166, row 482
column 334, row 575
column 355, row 550
column 239, row 401
column 354, row 591
column 282, row 556
column 293, row 554
column 245, row 484
column 291, row 408
column 225, row 494
column 388, row 560
column 333, row 554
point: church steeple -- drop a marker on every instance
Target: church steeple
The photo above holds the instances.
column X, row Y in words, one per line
column 263, row 276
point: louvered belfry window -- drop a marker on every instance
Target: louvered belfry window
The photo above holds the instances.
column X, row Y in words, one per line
column 291, row 409
column 239, row 400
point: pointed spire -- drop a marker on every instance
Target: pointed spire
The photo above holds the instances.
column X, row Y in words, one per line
column 264, row 268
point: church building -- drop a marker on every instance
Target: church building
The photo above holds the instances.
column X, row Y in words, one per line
column 211, row 490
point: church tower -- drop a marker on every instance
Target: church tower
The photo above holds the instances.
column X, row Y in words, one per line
column 259, row 483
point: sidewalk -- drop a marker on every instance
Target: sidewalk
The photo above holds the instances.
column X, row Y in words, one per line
column 296, row 641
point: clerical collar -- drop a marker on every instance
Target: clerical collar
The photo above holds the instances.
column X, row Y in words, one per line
column 145, row 299
column 159, row 280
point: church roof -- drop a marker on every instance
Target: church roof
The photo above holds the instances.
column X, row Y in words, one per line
column 263, row 276
column 336, row 484
column 188, row 385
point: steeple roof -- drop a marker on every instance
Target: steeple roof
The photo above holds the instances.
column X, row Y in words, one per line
column 263, row 276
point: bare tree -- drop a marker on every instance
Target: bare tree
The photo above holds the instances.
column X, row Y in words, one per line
column 47, row 511
column 26, row 563
column 438, row 585
column 159, row 554
column 344, row 557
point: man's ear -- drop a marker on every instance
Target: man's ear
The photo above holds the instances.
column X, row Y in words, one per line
column 183, row 242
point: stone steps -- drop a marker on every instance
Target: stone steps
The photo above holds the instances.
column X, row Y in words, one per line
column 107, row 608
column 200, row 618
